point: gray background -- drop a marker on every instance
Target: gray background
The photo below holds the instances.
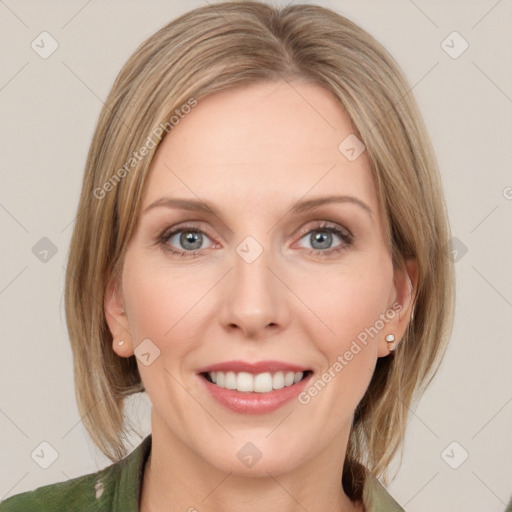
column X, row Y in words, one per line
column 49, row 109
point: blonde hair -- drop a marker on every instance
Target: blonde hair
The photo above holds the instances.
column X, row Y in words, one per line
column 230, row 44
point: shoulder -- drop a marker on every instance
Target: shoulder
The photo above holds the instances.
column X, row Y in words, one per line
column 76, row 494
column 115, row 487
column 376, row 498
column 365, row 489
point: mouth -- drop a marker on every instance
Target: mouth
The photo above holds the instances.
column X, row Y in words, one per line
column 246, row 382
column 254, row 388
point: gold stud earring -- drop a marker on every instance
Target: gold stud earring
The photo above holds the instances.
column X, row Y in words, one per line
column 390, row 338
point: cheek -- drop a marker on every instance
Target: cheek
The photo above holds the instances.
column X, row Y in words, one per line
column 350, row 302
column 158, row 301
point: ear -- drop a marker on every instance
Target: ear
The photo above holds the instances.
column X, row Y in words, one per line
column 117, row 320
column 405, row 283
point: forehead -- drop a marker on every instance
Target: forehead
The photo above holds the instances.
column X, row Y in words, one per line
column 263, row 143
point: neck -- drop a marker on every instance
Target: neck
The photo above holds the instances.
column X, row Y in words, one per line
column 177, row 479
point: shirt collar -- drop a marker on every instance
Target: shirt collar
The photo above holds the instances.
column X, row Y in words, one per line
column 131, row 468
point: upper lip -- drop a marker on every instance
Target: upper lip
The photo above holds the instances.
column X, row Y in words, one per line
column 254, row 368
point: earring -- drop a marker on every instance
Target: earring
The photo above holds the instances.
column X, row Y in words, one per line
column 390, row 338
column 121, row 342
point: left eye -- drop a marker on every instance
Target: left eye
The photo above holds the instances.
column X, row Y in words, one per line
column 321, row 238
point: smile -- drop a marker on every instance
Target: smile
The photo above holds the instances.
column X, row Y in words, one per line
column 259, row 383
column 254, row 388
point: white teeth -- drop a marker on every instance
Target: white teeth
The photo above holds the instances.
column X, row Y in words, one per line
column 260, row 383
column 230, row 380
column 244, row 382
column 288, row 378
column 278, row 380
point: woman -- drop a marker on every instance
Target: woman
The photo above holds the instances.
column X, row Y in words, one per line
column 282, row 348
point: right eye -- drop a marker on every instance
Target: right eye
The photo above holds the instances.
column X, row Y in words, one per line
column 186, row 241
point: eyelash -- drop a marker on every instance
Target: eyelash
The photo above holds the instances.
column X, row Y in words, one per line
column 343, row 234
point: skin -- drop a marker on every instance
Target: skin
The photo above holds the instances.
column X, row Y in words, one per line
column 253, row 152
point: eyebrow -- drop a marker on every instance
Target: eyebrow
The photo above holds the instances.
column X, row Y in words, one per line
column 298, row 207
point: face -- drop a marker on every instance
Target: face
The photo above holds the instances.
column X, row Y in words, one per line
column 253, row 290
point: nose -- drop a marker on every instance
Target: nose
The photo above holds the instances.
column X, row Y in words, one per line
column 255, row 299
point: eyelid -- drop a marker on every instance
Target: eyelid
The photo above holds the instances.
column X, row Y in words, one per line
column 321, row 224
column 186, row 225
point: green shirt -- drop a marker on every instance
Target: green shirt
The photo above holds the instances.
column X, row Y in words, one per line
column 117, row 488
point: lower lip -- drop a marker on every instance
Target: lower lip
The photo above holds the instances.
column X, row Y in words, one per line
column 255, row 403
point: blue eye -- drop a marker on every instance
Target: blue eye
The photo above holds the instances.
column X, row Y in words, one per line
column 187, row 241
column 320, row 239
